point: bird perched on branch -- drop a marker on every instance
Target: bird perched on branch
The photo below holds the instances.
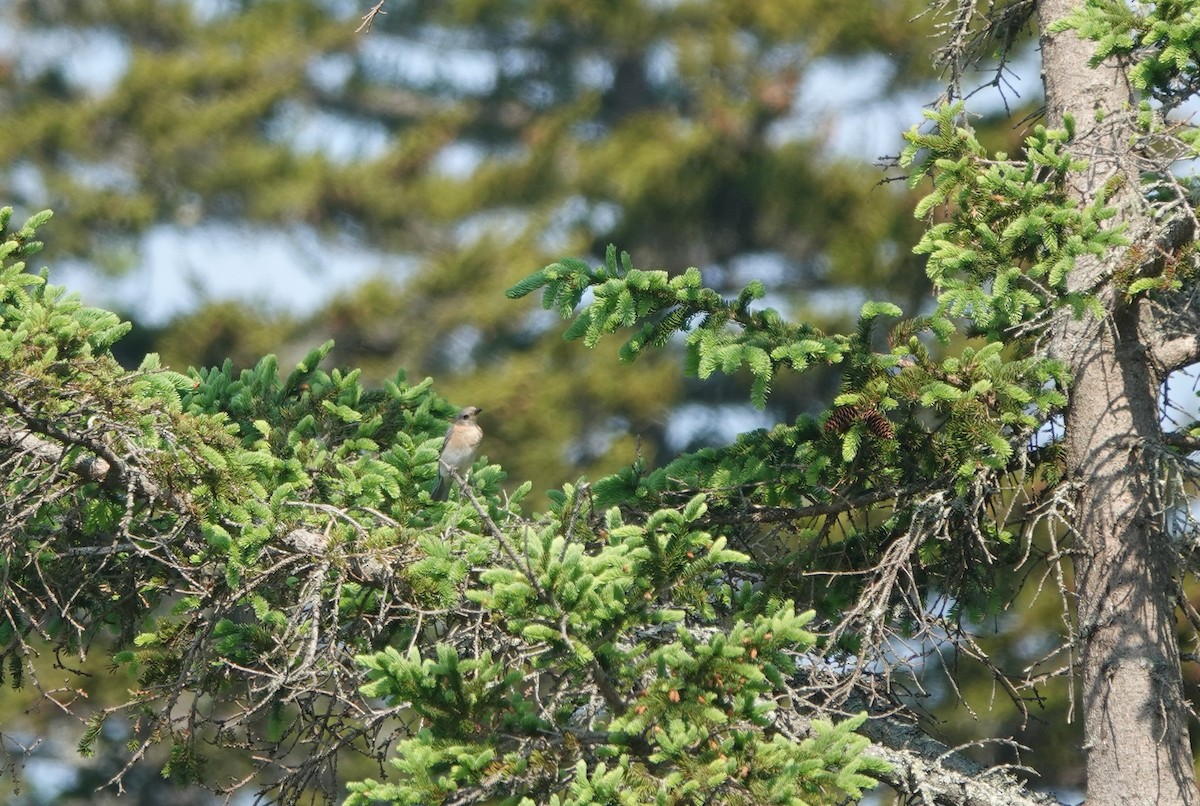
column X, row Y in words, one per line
column 458, row 449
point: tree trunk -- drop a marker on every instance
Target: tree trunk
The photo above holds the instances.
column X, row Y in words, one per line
column 1135, row 719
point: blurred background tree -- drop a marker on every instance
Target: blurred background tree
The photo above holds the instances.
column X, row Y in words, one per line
column 459, row 145
column 412, row 173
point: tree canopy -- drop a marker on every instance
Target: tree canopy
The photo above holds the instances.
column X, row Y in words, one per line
column 475, row 140
column 257, row 550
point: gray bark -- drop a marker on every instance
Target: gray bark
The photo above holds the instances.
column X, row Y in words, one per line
column 1135, row 718
column 925, row 771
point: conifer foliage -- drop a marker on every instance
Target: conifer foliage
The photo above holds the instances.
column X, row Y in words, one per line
column 260, row 552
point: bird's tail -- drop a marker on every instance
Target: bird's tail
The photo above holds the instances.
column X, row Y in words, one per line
column 441, row 490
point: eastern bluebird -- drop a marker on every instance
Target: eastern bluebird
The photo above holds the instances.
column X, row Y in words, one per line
column 458, row 449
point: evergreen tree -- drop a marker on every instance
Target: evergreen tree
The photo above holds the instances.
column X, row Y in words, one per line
column 475, row 140
column 262, row 550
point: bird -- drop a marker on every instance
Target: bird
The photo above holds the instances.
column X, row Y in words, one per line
column 458, row 449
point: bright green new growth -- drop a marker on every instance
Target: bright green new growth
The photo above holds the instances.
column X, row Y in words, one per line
column 1161, row 39
column 248, row 538
column 674, row 717
column 1000, row 261
column 1012, row 235
column 251, row 544
column 726, row 334
column 909, row 462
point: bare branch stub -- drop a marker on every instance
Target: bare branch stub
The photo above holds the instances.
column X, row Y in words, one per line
column 369, row 18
